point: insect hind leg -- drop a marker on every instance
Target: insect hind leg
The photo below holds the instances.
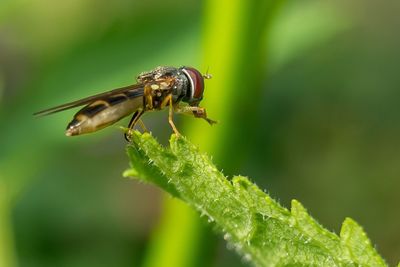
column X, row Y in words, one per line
column 135, row 118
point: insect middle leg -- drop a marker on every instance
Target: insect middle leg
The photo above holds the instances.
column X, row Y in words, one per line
column 168, row 100
column 135, row 118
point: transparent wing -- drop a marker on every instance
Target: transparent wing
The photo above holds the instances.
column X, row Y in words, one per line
column 130, row 91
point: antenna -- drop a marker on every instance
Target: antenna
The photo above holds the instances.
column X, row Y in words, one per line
column 207, row 75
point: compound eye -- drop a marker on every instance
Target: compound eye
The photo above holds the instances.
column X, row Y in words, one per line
column 196, row 84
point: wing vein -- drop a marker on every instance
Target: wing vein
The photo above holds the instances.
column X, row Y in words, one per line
column 135, row 90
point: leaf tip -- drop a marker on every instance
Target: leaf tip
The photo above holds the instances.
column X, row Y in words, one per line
column 130, row 173
column 297, row 206
column 138, row 136
column 241, row 181
column 354, row 238
column 298, row 210
column 352, row 231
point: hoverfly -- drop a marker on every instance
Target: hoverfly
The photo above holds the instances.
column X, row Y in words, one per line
column 154, row 90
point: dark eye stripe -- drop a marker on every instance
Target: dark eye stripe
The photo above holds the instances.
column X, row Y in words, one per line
column 198, row 82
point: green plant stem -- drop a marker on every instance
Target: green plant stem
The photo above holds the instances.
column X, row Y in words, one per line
column 7, row 257
column 183, row 228
column 252, row 222
column 234, row 37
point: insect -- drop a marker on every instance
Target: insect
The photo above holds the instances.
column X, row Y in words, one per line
column 181, row 89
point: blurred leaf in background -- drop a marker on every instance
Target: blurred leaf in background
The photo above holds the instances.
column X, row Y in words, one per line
column 66, row 196
column 323, row 127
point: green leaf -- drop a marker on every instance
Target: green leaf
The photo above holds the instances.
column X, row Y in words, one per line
column 254, row 224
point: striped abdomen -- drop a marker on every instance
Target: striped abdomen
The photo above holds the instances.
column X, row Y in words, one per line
column 104, row 112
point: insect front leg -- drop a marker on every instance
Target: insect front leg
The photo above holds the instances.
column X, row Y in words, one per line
column 135, row 118
column 198, row 112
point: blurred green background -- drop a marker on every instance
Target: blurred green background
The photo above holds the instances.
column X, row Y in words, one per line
column 306, row 93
